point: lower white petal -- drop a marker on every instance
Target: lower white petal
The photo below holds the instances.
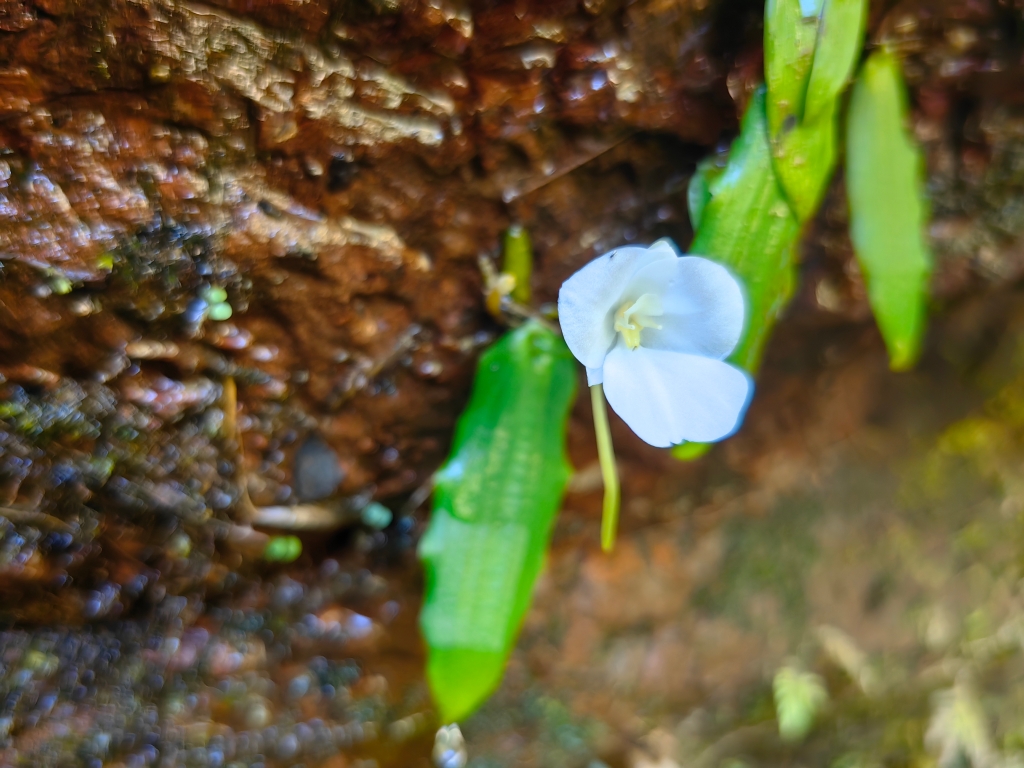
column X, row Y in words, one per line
column 670, row 397
column 595, row 376
column 587, row 301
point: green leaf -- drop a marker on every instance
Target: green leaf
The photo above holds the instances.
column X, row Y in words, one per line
column 691, row 451
column 804, row 84
column 749, row 216
column 805, row 158
column 698, row 191
column 888, row 212
column 790, row 31
column 748, row 226
column 798, row 698
column 495, row 501
column 840, row 40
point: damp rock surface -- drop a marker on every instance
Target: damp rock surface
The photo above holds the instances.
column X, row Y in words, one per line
column 239, row 284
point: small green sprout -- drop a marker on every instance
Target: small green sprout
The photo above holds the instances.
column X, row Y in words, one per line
column 221, row 311
column 799, row 696
column 376, row 515
column 213, row 294
column 519, row 261
column 216, row 299
column 283, row 549
column 59, row 283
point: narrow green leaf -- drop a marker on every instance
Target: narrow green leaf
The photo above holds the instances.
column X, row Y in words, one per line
column 888, row 212
column 804, row 132
column 519, row 261
column 698, row 191
column 495, row 501
column 840, row 40
column 790, row 30
column 805, row 159
column 748, row 226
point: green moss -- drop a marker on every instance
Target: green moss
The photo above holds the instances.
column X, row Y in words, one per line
column 54, row 414
column 770, row 555
column 559, row 736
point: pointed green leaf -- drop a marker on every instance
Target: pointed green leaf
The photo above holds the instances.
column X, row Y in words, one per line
column 790, row 30
column 805, row 159
column 840, row 40
column 803, row 92
column 495, row 501
column 748, row 226
column 888, row 212
column 698, row 191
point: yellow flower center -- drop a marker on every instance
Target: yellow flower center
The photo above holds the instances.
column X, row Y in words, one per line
column 633, row 316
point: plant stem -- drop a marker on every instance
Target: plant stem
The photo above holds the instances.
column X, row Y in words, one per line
column 609, row 472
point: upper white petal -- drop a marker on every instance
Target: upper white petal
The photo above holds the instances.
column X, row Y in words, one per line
column 670, row 397
column 664, row 245
column 702, row 303
column 587, row 301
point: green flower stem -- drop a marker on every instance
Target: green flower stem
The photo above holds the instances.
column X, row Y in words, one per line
column 609, row 472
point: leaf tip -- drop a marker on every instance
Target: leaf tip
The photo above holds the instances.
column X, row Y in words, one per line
column 903, row 357
column 690, row 451
column 461, row 679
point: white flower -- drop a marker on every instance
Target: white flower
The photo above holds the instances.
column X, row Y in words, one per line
column 654, row 328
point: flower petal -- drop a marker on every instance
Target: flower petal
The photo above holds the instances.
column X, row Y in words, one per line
column 669, row 397
column 664, row 245
column 587, row 301
column 702, row 303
